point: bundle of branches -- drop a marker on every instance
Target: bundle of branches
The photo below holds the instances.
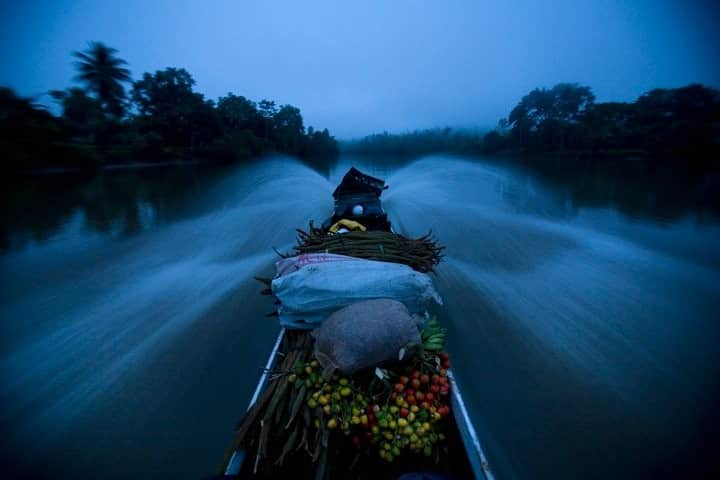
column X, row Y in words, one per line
column 278, row 425
column 422, row 254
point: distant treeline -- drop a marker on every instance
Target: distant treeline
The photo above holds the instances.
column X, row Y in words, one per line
column 662, row 123
column 162, row 119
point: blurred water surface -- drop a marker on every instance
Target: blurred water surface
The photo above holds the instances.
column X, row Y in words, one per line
column 583, row 331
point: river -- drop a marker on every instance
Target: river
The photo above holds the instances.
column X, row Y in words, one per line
column 583, row 328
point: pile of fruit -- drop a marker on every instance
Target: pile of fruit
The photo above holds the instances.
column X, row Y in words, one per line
column 383, row 415
column 396, row 411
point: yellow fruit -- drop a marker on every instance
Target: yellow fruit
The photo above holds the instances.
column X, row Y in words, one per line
column 392, row 424
column 327, row 409
column 343, row 381
column 426, row 426
column 375, row 429
column 394, row 409
column 308, row 369
column 355, row 420
column 345, row 391
column 411, row 417
column 314, row 363
column 402, row 422
column 332, row 423
column 414, row 408
column 355, row 411
column 388, row 435
column 312, row 403
column 324, row 400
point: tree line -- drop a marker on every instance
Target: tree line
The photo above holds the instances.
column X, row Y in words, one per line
column 160, row 117
column 673, row 124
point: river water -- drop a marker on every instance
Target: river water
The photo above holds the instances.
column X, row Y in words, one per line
column 583, row 327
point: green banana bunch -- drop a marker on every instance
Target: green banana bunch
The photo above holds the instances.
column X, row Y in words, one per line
column 433, row 335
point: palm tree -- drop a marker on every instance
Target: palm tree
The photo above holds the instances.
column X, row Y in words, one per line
column 103, row 73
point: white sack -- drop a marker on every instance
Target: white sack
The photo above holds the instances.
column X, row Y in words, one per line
column 312, row 293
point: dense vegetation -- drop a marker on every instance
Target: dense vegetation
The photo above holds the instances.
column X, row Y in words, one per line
column 163, row 118
column 681, row 123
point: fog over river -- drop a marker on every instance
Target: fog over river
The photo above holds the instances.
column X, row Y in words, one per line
column 584, row 335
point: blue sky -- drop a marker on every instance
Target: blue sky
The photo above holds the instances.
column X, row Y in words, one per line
column 358, row 67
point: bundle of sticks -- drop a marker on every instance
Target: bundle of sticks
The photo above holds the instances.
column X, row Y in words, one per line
column 279, row 425
column 422, row 254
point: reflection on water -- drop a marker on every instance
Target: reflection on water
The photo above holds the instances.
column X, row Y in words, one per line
column 582, row 324
column 116, row 203
column 123, row 203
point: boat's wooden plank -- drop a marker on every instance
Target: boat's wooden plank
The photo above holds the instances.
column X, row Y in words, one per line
column 474, row 450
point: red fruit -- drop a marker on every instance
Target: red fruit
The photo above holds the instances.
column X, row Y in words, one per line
column 425, row 406
column 446, row 363
column 434, row 388
column 435, row 378
column 399, row 387
column 429, row 397
column 424, row 379
column 444, row 389
column 415, row 374
column 404, row 379
column 415, row 383
column 404, row 412
column 356, row 441
column 411, row 400
column 443, row 372
column 410, row 392
column 419, row 396
column 393, row 395
column 443, row 355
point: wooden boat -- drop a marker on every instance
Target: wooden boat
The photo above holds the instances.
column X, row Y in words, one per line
column 465, row 457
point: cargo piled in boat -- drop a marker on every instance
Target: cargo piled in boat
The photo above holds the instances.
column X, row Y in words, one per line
column 358, row 384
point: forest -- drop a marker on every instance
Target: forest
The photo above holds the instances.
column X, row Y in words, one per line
column 678, row 126
column 159, row 117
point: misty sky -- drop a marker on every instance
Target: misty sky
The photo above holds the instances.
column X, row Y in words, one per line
column 359, row 67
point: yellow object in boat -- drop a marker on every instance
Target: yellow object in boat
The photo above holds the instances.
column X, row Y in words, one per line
column 351, row 225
